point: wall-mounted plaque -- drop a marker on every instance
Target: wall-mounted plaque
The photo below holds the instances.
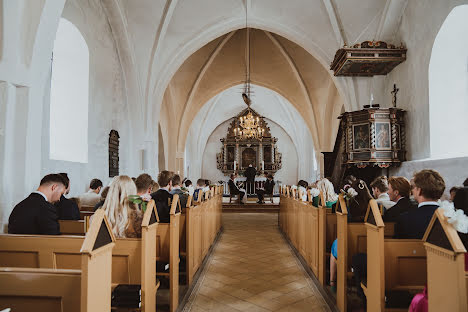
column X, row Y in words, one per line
column 113, row 153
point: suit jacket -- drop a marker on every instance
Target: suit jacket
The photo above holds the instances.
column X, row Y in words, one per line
column 67, row 209
column 402, row 206
column 89, row 198
column 34, row 215
column 250, row 173
column 268, row 186
column 161, row 199
column 233, row 188
column 183, row 197
column 413, row 224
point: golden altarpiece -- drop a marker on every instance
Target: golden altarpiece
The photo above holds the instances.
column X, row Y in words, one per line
column 238, row 153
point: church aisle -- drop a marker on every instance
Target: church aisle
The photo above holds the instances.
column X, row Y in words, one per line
column 253, row 269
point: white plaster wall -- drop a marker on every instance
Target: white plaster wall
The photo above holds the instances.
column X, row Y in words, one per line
column 287, row 174
column 107, row 101
column 453, row 170
column 420, row 24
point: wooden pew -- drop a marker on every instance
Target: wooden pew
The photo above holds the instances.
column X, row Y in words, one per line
column 73, row 227
column 133, row 259
column 446, row 276
column 392, row 264
column 88, row 289
column 351, row 240
column 167, row 250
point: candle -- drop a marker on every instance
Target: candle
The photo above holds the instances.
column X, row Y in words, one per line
column 263, row 165
column 235, row 165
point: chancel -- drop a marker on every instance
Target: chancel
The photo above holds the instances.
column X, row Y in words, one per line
column 223, row 155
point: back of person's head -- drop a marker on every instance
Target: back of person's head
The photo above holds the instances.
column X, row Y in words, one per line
column 200, row 182
column 104, row 193
column 400, row 184
column 154, row 186
column 188, row 183
column 326, row 187
column 270, row 176
column 303, row 183
column 117, row 206
column 53, row 178
column 380, row 183
column 143, row 182
column 95, row 183
column 430, row 183
column 65, row 179
column 465, row 183
column 461, row 199
column 176, row 180
column 164, row 178
column 207, row 182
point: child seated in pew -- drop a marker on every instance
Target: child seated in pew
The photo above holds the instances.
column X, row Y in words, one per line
column 302, row 186
column 198, row 189
column 183, row 196
column 36, row 214
column 144, row 186
column 124, row 216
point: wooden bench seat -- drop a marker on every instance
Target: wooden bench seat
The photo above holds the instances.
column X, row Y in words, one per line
column 52, row 289
column 133, row 260
column 392, row 264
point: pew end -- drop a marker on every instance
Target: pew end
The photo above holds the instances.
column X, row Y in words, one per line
column 445, row 262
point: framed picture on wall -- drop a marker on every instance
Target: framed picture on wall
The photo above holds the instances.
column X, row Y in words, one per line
column 361, row 136
column 382, row 135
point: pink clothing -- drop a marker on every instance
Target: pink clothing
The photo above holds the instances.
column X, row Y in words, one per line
column 419, row 302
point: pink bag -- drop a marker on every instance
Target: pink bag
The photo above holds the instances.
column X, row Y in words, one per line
column 419, row 302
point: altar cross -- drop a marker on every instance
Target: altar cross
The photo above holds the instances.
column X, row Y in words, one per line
column 394, row 95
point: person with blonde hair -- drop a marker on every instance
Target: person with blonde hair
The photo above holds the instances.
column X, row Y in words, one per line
column 124, row 216
column 326, row 187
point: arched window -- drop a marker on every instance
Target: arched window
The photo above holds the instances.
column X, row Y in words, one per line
column 69, row 95
column 448, row 87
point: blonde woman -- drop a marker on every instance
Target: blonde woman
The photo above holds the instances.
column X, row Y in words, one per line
column 326, row 187
column 124, row 216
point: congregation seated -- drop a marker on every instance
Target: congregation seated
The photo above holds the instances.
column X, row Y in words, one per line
column 206, row 188
column 302, row 189
column 36, row 214
column 234, row 190
column 144, row 186
column 267, row 189
column 198, row 189
column 189, row 187
column 328, row 191
column 162, row 196
column 399, row 189
column 379, row 190
column 124, row 216
column 183, row 197
column 103, row 198
column 92, row 197
column 427, row 188
column 67, row 209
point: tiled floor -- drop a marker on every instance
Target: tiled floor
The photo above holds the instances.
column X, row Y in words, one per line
column 253, row 269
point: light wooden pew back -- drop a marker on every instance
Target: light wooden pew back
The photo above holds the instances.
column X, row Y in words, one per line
column 88, row 289
column 446, row 276
column 73, row 227
column 392, row 264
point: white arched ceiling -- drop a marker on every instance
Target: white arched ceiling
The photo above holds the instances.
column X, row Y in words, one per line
column 266, row 102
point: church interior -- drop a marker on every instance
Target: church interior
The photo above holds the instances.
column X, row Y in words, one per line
column 233, row 155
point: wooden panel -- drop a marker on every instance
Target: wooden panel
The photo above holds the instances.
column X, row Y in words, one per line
column 31, row 303
column 68, row 261
column 19, row 259
column 120, row 266
column 411, row 271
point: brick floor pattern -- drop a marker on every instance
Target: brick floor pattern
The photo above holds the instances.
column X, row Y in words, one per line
column 252, row 268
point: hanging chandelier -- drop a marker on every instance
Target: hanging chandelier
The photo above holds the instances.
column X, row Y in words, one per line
column 248, row 126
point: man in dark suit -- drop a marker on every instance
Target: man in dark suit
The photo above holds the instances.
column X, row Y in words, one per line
column 36, row 214
column 161, row 197
column 267, row 189
column 177, row 190
column 399, row 189
column 67, row 209
column 427, row 187
column 233, row 190
column 250, row 174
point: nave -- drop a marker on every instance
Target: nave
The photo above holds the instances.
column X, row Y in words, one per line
column 252, row 268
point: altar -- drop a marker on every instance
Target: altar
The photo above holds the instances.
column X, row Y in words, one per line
column 237, row 154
